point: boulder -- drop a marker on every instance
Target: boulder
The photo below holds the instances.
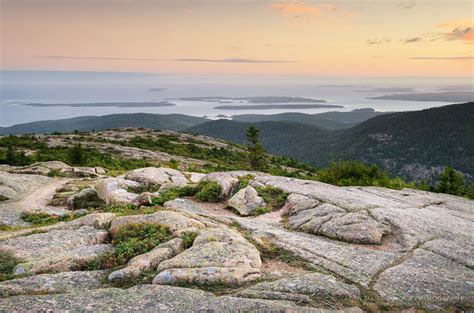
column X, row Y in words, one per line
column 68, row 260
column 52, row 283
column 218, row 255
column 97, row 220
column 86, row 198
column 326, row 219
column 194, row 178
column 44, row 245
column 246, row 201
column 153, row 176
column 114, row 190
column 227, row 181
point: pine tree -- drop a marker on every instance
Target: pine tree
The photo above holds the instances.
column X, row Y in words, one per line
column 451, row 182
column 256, row 150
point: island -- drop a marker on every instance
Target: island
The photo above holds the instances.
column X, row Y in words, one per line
column 276, row 106
column 453, row 96
column 156, row 89
column 105, row 104
column 388, row 89
column 260, row 99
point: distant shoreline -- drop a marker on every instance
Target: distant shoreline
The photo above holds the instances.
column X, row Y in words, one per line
column 276, row 106
column 104, row 104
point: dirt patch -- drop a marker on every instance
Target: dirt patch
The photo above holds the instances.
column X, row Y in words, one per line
column 277, row 269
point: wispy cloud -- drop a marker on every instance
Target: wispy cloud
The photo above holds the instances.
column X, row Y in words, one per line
column 225, row 60
column 406, row 4
column 232, row 60
column 411, row 40
column 93, row 58
column 461, row 33
column 378, row 41
column 442, row 58
column 296, row 9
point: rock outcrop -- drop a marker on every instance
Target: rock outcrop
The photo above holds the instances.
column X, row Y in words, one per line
column 246, row 201
column 338, row 247
column 218, row 255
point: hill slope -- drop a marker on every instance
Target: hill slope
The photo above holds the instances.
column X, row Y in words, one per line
column 88, row 123
column 412, row 144
column 328, row 120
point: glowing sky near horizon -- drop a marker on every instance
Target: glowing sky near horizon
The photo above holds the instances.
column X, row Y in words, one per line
column 340, row 38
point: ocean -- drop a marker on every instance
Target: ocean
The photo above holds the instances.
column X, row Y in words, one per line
column 20, row 87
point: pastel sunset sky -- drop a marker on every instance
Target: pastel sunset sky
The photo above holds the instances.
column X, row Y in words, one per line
column 340, row 37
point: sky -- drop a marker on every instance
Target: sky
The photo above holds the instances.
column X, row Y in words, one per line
column 433, row 38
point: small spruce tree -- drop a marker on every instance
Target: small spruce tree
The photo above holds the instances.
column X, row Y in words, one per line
column 256, row 150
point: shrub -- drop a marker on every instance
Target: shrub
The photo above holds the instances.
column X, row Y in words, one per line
column 7, row 263
column 244, row 181
column 274, row 197
column 351, row 173
column 173, row 193
column 135, row 239
column 126, row 209
column 188, row 238
column 41, row 218
column 209, row 191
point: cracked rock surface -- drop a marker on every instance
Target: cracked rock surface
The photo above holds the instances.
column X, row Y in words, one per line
column 327, row 248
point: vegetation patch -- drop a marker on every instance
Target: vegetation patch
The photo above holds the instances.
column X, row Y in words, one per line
column 7, row 263
column 103, row 261
column 274, row 197
column 188, row 238
column 42, row 219
column 127, row 209
column 135, row 239
column 244, row 181
column 173, row 193
column 209, row 191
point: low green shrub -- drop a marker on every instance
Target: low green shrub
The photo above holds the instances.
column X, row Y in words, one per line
column 244, row 181
column 173, row 193
column 135, row 239
column 188, row 238
column 41, row 218
column 274, row 197
column 7, row 263
column 127, row 209
column 209, row 191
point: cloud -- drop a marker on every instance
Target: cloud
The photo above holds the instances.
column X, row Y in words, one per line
column 378, row 41
column 461, row 33
column 296, row 9
column 414, row 39
column 93, row 58
column 442, row 58
column 231, row 60
column 406, row 4
column 226, row 60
